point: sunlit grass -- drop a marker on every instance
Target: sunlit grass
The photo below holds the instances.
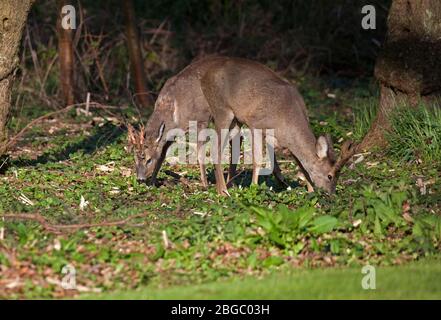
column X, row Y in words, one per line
column 420, row 280
column 415, row 134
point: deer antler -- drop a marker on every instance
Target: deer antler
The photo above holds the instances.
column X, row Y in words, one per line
column 331, row 153
column 348, row 149
column 131, row 134
column 141, row 135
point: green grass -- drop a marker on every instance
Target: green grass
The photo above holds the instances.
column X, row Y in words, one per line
column 416, row 134
column 364, row 113
column 415, row 281
column 378, row 216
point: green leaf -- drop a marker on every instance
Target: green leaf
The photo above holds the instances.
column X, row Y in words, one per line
column 417, row 230
column 323, row 224
column 276, row 237
column 160, row 251
column 438, row 228
column 335, row 246
column 377, row 227
column 298, row 247
column 273, row 261
column 305, row 215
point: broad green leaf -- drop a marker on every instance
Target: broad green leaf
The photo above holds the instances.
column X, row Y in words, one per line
column 304, row 215
column 377, row 227
column 323, row 224
column 335, row 246
column 272, row 261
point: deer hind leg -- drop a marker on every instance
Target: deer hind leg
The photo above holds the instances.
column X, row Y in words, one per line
column 278, row 173
column 234, row 154
column 201, row 161
column 202, row 155
column 223, row 121
column 271, row 153
column 256, row 148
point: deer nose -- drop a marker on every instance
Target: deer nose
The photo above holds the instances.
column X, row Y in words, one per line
column 330, row 190
column 140, row 175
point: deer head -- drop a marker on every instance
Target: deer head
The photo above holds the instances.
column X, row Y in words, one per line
column 146, row 149
column 326, row 169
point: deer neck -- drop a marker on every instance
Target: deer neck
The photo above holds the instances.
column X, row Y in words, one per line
column 303, row 148
column 154, row 124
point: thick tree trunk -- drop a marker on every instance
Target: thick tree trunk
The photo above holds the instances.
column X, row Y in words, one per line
column 409, row 67
column 142, row 95
column 66, row 58
column 13, row 15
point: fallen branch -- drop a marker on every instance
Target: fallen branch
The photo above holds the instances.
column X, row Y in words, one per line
column 229, row 182
column 57, row 228
column 14, row 139
column 178, row 177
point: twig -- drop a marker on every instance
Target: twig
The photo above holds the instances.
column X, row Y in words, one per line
column 351, row 207
column 87, row 102
column 46, row 74
column 14, row 139
column 235, row 176
column 4, row 161
column 95, row 54
column 56, row 228
column 2, row 231
column 165, row 239
column 177, row 177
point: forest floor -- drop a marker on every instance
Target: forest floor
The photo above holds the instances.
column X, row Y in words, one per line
column 75, row 171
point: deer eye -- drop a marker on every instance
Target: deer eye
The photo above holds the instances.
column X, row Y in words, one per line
column 329, row 177
column 149, row 161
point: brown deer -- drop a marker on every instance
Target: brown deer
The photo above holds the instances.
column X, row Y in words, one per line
column 180, row 101
column 247, row 92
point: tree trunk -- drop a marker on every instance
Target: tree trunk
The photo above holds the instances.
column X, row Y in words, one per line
column 408, row 68
column 137, row 65
column 13, row 15
column 66, row 58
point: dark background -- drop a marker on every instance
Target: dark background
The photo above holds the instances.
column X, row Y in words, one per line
column 296, row 38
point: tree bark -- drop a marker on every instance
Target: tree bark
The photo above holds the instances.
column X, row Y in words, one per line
column 408, row 68
column 66, row 58
column 13, row 15
column 137, row 65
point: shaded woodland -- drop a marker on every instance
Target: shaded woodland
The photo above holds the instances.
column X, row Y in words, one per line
column 74, row 101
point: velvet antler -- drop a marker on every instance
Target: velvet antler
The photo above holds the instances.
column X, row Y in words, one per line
column 348, row 149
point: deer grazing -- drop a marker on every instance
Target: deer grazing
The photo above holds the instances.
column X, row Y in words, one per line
column 234, row 92
column 180, row 101
column 246, row 92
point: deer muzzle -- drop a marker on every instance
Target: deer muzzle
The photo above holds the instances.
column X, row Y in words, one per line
column 141, row 173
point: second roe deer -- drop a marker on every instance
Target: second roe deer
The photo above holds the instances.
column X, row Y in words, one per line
column 252, row 94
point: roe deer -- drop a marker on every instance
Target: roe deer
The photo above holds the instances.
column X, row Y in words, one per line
column 180, row 101
column 250, row 93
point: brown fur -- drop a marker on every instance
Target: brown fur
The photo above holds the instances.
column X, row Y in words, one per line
column 252, row 94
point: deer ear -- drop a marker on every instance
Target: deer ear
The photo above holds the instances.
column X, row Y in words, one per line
column 161, row 132
column 322, row 147
column 331, row 152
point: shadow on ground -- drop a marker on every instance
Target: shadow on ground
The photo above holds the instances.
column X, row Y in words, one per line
column 244, row 177
column 101, row 137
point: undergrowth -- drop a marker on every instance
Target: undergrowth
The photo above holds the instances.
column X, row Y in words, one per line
column 415, row 134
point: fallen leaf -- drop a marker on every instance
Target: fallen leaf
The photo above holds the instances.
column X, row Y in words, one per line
column 83, row 203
